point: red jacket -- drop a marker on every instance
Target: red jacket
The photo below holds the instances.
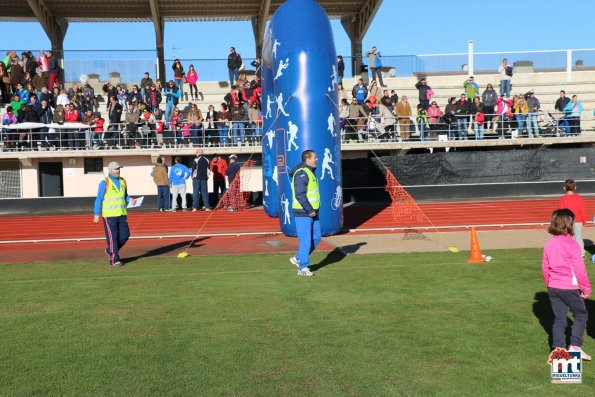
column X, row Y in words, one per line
column 71, row 117
column 218, row 169
column 576, row 204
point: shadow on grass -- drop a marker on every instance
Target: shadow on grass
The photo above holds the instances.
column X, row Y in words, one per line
column 542, row 309
column 337, row 255
column 165, row 249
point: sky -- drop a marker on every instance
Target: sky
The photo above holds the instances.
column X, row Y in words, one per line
column 401, row 27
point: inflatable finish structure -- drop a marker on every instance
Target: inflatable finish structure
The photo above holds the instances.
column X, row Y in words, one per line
column 300, row 106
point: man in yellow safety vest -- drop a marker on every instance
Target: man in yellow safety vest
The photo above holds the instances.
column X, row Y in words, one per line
column 112, row 199
column 305, row 206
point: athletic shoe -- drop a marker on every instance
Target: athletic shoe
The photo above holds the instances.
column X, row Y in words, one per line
column 117, row 264
column 294, row 261
column 584, row 355
column 208, row 209
column 305, row 272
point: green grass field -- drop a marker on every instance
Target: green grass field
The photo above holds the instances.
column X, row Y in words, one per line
column 365, row 325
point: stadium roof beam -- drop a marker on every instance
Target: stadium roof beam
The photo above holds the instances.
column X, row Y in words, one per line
column 259, row 23
column 159, row 38
column 356, row 27
column 55, row 28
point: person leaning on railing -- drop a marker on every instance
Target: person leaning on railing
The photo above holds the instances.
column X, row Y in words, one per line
column 255, row 119
column 573, row 111
column 478, row 117
column 521, row 111
column 404, row 114
column 195, row 120
column 534, row 109
column 488, row 99
column 434, row 117
column 357, row 114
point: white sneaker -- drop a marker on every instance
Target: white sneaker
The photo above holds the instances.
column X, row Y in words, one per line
column 294, row 261
column 584, row 355
column 306, row 272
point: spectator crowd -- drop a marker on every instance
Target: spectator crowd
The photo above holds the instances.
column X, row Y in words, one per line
column 31, row 92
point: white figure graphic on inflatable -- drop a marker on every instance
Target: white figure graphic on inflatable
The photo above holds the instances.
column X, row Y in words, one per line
column 337, row 199
column 266, row 188
column 275, row 45
column 292, row 132
column 331, row 124
column 276, row 175
column 281, row 68
column 280, row 106
column 334, row 83
column 270, row 135
column 285, row 204
column 326, row 163
column 269, row 112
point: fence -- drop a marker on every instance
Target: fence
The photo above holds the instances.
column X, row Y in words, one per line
column 30, row 137
column 131, row 64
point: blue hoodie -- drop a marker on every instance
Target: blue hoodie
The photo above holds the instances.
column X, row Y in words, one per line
column 300, row 182
column 178, row 174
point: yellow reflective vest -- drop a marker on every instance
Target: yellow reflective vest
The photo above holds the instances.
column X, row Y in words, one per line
column 114, row 200
column 312, row 192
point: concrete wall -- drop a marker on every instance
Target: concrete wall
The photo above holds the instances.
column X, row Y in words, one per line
column 135, row 169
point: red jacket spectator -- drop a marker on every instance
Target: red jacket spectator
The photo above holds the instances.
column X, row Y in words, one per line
column 218, row 168
column 71, row 116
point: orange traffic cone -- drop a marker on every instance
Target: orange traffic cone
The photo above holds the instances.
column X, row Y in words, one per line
column 475, row 250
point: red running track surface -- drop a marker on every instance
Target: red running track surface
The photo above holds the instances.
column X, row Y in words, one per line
column 508, row 213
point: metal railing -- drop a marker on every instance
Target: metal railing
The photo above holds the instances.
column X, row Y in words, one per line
column 369, row 129
column 131, row 64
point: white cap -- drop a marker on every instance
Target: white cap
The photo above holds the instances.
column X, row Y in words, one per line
column 114, row 165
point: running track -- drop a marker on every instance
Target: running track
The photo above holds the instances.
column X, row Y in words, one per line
column 66, row 236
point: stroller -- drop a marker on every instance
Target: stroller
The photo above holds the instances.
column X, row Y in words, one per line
column 550, row 125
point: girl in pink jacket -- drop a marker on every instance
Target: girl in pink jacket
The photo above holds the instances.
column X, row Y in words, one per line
column 192, row 78
column 567, row 282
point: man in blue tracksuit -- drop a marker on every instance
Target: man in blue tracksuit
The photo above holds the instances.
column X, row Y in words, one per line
column 178, row 174
column 305, row 205
column 112, row 199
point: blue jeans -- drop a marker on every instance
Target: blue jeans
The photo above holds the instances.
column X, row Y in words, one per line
column 233, row 76
column 422, row 130
column 116, row 234
column 180, row 85
column 463, row 126
column 309, row 235
column 478, row 130
column 505, row 88
column 520, row 121
column 200, row 187
column 169, row 109
column 532, row 125
column 238, row 126
column 564, row 126
column 223, row 131
column 163, row 197
column 195, row 130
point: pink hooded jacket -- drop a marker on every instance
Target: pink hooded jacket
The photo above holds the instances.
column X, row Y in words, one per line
column 563, row 266
column 192, row 78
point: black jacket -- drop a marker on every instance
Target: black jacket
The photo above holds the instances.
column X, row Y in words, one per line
column 341, row 68
column 463, row 109
column 115, row 112
column 561, row 103
column 234, row 61
column 200, row 168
